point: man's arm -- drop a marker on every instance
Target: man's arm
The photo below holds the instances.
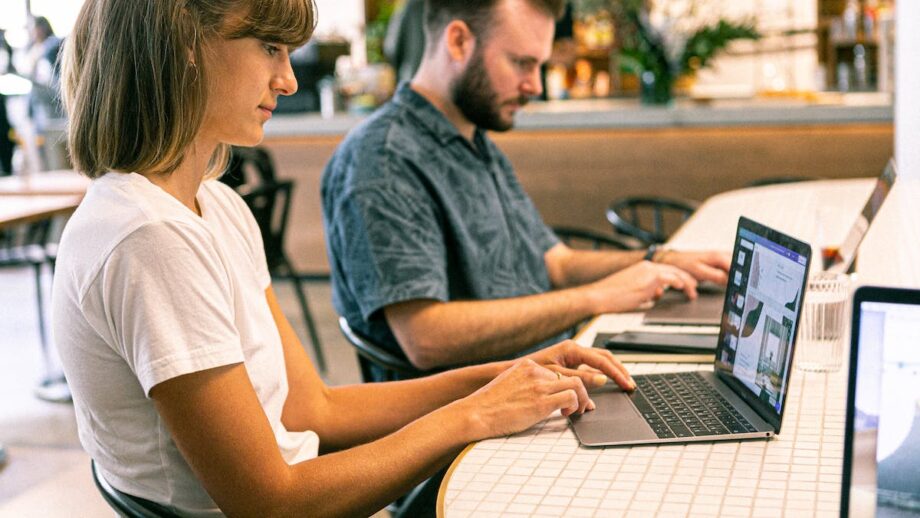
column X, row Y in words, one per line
column 572, row 267
column 435, row 334
column 569, row 267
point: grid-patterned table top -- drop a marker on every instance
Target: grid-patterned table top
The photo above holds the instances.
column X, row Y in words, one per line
column 544, row 471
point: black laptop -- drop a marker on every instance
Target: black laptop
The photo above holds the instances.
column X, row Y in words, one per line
column 881, row 458
column 675, row 309
column 744, row 396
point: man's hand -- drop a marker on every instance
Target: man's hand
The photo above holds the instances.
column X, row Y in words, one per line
column 631, row 287
column 592, row 366
column 703, row 266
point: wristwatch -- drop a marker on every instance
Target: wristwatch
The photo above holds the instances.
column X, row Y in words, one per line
column 650, row 253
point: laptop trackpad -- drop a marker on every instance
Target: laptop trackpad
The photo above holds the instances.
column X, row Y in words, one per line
column 614, row 420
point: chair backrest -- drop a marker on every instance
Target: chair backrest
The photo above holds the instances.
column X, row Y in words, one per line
column 775, row 180
column 396, row 367
column 270, row 204
column 25, row 244
column 649, row 219
column 582, row 238
column 246, row 163
column 125, row 504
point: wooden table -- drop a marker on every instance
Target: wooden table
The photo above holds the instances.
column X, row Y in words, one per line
column 64, row 181
column 27, row 208
column 544, row 471
column 17, row 209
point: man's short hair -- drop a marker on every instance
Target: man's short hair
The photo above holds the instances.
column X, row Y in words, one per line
column 477, row 14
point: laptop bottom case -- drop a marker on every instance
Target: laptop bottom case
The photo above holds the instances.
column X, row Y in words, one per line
column 617, row 421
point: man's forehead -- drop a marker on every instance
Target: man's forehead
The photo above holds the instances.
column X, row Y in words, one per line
column 522, row 28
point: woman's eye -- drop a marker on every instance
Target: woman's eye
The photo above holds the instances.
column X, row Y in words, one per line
column 271, row 49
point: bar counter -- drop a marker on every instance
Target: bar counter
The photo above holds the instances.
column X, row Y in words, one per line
column 574, row 157
column 820, row 108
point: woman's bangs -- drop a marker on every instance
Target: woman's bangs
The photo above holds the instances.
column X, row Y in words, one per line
column 289, row 22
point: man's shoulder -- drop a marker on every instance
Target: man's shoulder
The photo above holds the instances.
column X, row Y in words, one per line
column 381, row 147
column 385, row 128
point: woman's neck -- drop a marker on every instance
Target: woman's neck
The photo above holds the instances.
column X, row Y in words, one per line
column 183, row 183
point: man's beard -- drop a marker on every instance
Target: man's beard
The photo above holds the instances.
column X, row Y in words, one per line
column 473, row 94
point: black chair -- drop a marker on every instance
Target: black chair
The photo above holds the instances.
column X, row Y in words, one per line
column 774, row 180
column 370, row 353
column 581, row 238
column 27, row 245
column 270, row 204
column 126, row 505
column 420, row 498
column 649, row 219
column 249, row 165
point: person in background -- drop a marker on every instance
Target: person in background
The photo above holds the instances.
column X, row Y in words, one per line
column 41, row 66
column 190, row 387
column 404, row 44
column 6, row 129
column 436, row 251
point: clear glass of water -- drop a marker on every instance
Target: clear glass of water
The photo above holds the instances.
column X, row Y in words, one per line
column 824, row 323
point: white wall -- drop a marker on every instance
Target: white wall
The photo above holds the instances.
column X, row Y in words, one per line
column 769, row 64
column 890, row 255
column 343, row 18
column 907, row 89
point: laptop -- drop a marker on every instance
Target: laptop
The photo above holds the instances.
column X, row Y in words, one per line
column 881, row 457
column 675, row 309
column 744, row 396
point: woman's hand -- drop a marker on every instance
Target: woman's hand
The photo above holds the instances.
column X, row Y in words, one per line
column 519, row 397
column 593, row 366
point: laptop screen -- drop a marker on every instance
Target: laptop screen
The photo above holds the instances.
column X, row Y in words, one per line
column 841, row 259
column 760, row 317
column 882, row 457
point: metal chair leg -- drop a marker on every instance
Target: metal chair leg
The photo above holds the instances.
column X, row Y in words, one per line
column 308, row 319
column 53, row 386
column 42, row 332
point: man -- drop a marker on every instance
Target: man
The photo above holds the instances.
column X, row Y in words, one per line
column 436, row 251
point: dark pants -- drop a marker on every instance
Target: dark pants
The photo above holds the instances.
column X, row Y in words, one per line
column 423, row 500
column 6, row 145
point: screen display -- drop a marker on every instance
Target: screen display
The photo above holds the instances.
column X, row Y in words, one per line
column 764, row 294
column 885, row 479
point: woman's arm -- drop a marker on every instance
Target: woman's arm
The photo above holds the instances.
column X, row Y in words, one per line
column 218, row 424
column 381, row 408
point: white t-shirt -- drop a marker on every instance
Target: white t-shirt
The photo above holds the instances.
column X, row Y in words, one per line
column 146, row 290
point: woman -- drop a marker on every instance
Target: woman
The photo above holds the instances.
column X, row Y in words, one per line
column 190, row 387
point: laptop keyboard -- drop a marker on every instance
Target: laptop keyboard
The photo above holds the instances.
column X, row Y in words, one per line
column 685, row 405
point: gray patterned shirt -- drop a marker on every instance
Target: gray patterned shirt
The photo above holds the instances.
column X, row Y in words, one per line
column 413, row 210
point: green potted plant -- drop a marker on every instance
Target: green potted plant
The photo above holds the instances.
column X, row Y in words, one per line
column 666, row 40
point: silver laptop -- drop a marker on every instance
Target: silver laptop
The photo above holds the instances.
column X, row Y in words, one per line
column 675, row 309
column 744, row 397
column 881, row 456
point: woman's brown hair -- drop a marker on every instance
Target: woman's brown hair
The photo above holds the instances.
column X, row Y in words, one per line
column 134, row 75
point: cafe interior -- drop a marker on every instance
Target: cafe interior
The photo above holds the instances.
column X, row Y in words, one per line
column 793, row 116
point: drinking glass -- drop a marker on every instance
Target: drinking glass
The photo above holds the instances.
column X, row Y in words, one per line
column 824, row 323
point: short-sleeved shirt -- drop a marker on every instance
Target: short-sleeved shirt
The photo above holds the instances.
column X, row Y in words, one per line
column 145, row 290
column 414, row 210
